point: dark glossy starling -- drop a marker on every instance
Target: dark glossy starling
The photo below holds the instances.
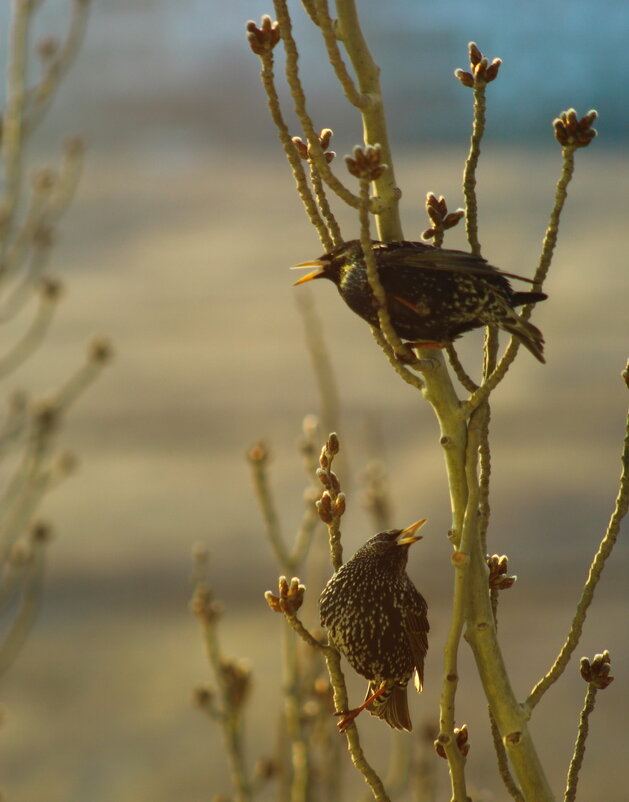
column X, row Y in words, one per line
column 377, row 619
column 433, row 294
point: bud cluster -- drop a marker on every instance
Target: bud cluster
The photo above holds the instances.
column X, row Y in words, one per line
column 290, row 598
column 366, row 163
column 262, row 40
column 597, row 670
column 236, row 676
column 572, row 132
column 481, row 71
column 304, row 150
column 440, row 218
column 498, row 567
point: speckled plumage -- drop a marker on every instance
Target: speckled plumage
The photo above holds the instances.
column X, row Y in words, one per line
column 378, row 619
column 433, row 294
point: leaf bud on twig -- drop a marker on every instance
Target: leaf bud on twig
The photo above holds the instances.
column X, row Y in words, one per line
column 262, row 40
column 596, row 671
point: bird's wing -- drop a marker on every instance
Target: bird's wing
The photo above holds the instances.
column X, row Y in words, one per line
column 431, row 258
column 417, row 627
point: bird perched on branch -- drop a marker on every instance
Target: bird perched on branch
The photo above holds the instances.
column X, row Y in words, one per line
column 433, row 294
column 378, row 619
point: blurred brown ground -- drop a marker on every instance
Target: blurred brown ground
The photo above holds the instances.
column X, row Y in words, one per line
column 183, row 263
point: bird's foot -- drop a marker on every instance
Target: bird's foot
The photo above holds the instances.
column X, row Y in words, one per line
column 420, row 344
column 349, row 715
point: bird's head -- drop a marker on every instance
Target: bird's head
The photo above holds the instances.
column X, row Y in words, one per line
column 393, row 545
column 331, row 265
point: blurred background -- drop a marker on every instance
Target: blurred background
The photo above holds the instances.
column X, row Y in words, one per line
column 177, row 247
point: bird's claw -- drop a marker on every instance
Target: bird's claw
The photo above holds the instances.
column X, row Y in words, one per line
column 348, row 718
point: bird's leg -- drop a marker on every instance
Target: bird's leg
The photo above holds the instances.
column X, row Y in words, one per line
column 350, row 715
column 426, row 345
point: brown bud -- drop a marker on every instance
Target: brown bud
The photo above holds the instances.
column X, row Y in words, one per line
column 266, row 768
column 466, row 78
column 498, row 567
column 47, row 48
column 273, row 602
column 203, row 696
column 339, row 505
column 45, row 416
column 324, row 137
column 439, row 745
column 491, row 73
column 474, row 53
column 453, row 218
column 365, row 163
column 596, row 672
column 237, row 681
column 333, row 445
column 50, row 288
column 100, row 350
column 324, row 508
column 462, row 739
column 41, row 532
column 572, row 132
column 300, row 147
column 262, row 40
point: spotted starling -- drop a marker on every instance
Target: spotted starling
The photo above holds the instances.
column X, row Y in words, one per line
column 433, row 294
column 377, row 619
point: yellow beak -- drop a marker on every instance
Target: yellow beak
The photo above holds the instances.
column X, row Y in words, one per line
column 408, row 536
column 321, row 266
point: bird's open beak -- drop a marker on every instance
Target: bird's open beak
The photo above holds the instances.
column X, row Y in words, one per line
column 408, row 536
column 320, row 264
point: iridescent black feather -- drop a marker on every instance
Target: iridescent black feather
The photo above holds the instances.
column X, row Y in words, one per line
column 433, row 294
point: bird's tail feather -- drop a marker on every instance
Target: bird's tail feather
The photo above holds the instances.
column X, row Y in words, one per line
column 391, row 705
column 521, row 298
column 528, row 334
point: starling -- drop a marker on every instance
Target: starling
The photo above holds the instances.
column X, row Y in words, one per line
column 433, row 294
column 377, row 619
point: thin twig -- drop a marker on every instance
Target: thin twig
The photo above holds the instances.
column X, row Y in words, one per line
column 385, row 204
column 232, row 680
column 31, row 339
column 294, row 160
column 471, row 163
column 333, row 663
column 324, row 206
column 299, row 100
column 324, row 22
column 13, row 117
column 40, row 96
column 596, row 569
column 548, row 247
column 258, row 457
column 579, row 746
column 28, row 606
